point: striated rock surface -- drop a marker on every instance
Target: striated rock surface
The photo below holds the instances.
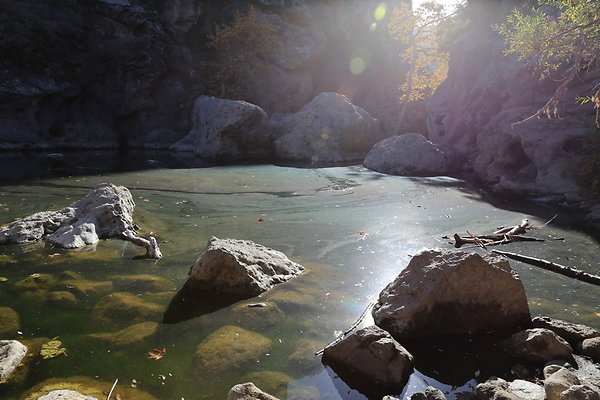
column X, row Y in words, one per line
column 227, row 130
column 451, row 293
column 241, row 267
column 372, row 354
column 328, row 129
column 104, row 213
column 538, row 345
column 409, row 154
column 11, row 354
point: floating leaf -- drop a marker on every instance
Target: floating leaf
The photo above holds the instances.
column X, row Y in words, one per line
column 52, row 349
column 261, row 220
column 361, row 233
column 157, row 354
column 54, row 255
column 3, row 279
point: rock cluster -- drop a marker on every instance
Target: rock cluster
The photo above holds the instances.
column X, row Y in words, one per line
column 105, row 212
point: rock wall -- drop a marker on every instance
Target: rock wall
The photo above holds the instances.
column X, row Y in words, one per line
column 470, row 116
column 125, row 73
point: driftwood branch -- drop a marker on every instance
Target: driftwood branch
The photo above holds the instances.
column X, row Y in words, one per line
column 151, row 245
column 491, row 240
column 550, row 266
column 347, row 331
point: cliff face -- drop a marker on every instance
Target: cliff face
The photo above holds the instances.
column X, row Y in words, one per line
column 471, row 113
column 122, row 73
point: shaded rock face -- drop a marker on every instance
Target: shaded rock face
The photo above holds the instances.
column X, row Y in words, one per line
column 538, row 345
column 241, row 267
column 11, row 354
column 104, row 213
column 572, row 333
column 409, row 154
column 372, row 354
column 328, row 129
column 452, row 293
column 469, row 115
column 227, row 129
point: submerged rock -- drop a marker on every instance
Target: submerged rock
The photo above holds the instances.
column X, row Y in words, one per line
column 371, row 354
column 241, row 267
column 328, row 129
column 248, row 391
column 410, row 154
column 85, row 386
column 142, row 283
column 452, row 293
column 271, row 381
column 228, row 349
column 537, row 345
column 11, row 354
column 104, row 213
column 65, row 395
column 122, row 308
column 130, row 335
column 11, row 322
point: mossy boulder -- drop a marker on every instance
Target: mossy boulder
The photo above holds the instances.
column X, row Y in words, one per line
column 86, row 386
column 10, row 324
column 70, row 275
column 303, row 357
column 272, row 382
column 61, row 298
column 228, row 349
column 255, row 314
column 122, row 308
column 34, row 283
column 142, row 283
column 130, row 335
column 32, row 357
column 83, row 288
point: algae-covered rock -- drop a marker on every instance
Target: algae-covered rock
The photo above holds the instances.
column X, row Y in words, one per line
column 303, row 357
column 61, row 298
column 86, row 386
column 248, row 391
column 10, row 322
column 83, row 288
column 272, row 382
column 11, row 354
column 130, row 335
column 70, row 275
column 32, row 357
column 34, row 283
column 66, row 395
column 121, row 308
column 255, row 314
column 142, row 283
column 228, row 349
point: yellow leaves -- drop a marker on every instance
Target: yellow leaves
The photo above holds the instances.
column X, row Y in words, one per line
column 157, row 354
column 3, row 279
column 54, row 255
column 52, row 349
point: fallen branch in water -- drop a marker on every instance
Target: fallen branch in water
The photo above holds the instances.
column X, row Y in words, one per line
column 492, row 240
column 151, row 246
column 347, row 331
column 112, row 388
column 553, row 267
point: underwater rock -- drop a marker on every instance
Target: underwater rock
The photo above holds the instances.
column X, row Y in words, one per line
column 11, row 354
column 410, row 154
column 85, row 386
column 270, row 381
column 83, row 288
column 142, row 283
column 66, row 395
column 104, row 213
column 228, row 349
column 267, row 315
column 32, row 358
column 241, row 267
column 125, row 308
column 452, row 293
column 371, row 354
column 303, row 357
column 34, row 283
column 572, row 333
column 61, row 298
column 248, row 391
column 11, row 322
column 537, row 345
column 130, row 335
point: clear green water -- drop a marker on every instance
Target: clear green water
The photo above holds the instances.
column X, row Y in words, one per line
column 312, row 215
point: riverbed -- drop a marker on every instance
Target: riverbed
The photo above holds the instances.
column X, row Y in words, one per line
column 354, row 230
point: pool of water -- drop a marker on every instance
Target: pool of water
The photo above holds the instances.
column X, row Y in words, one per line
column 354, row 230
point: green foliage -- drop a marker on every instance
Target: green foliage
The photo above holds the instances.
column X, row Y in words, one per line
column 52, row 349
column 241, row 49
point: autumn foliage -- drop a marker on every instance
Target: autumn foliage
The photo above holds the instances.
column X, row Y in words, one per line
column 241, row 47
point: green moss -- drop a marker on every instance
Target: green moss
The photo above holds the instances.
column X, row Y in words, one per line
column 228, row 349
column 10, row 322
column 70, row 275
column 83, row 288
column 142, row 283
column 273, row 382
column 130, row 335
column 86, row 386
column 62, row 299
column 268, row 315
column 124, row 308
column 34, row 282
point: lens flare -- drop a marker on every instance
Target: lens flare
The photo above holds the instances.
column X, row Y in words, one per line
column 380, row 11
column 357, row 65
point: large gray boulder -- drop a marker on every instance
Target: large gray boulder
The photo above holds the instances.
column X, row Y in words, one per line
column 11, row 354
column 410, row 154
column 104, row 213
column 248, row 391
column 452, row 293
column 227, row 129
column 328, row 129
column 537, row 345
column 241, row 267
column 372, row 354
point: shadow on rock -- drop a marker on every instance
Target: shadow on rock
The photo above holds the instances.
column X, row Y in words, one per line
column 191, row 302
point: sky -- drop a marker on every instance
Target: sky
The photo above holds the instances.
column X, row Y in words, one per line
column 416, row 3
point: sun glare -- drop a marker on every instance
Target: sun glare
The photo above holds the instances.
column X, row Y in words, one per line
column 450, row 4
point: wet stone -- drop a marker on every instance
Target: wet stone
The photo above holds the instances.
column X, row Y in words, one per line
column 123, row 308
column 11, row 322
column 272, row 382
column 130, row 335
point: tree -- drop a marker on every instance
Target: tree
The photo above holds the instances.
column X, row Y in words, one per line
column 559, row 45
column 423, row 34
column 242, row 48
